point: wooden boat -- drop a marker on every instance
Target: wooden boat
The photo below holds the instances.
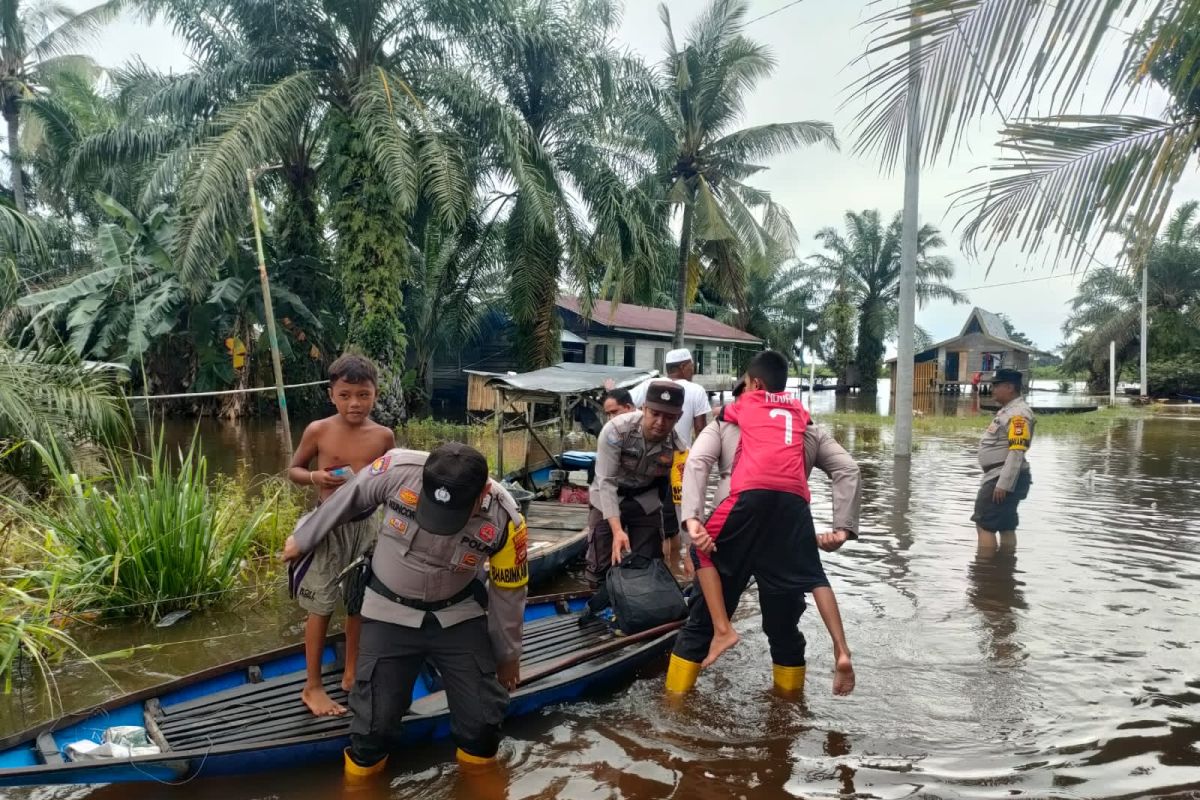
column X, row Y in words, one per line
column 245, row 716
column 557, row 536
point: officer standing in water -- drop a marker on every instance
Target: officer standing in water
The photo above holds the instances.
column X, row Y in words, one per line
column 634, row 457
column 1006, row 475
column 426, row 597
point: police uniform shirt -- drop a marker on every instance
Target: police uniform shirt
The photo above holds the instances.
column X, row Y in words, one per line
column 1005, row 442
column 422, row 566
column 626, row 463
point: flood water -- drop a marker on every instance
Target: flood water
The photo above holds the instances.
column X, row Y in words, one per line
column 1066, row 670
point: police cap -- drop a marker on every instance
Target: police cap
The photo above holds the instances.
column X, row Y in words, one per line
column 451, row 481
column 1007, row 376
column 665, row 397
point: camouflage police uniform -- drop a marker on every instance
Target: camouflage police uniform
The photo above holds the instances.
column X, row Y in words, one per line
column 426, row 598
column 1002, row 457
column 630, row 475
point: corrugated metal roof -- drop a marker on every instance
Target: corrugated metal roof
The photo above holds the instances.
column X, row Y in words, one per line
column 566, row 378
column 634, row 318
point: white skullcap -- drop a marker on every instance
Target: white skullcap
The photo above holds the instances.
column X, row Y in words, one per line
column 678, row 356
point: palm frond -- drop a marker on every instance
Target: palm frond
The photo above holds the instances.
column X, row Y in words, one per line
column 1078, row 176
column 971, row 54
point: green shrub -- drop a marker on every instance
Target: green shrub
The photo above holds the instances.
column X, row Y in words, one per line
column 1174, row 376
column 275, row 502
column 149, row 538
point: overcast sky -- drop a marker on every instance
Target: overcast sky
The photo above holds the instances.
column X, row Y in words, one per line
column 813, row 42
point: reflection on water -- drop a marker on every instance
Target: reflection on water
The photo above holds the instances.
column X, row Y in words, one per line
column 1064, row 669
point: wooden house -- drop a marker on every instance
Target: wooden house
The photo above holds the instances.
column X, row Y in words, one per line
column 969, row 359
column 628, row 335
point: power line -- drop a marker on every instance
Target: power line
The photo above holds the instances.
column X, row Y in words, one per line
column 776, row 11
column 1016, row 283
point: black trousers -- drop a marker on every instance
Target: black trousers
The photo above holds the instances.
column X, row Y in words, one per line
column 645, row 539
column 768, row 536
column 390, row 659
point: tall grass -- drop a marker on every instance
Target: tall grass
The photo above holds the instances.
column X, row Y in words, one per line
column 148, row 538
column 30, row 630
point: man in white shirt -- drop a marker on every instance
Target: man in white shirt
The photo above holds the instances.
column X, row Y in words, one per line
column 680, row 368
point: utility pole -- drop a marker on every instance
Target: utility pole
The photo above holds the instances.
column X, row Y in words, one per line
column 1145, row 337
column 908, row 259
column 269, row 311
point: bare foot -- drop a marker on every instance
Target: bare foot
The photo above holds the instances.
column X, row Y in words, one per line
column 319, row 703
column 720, row 643
column 348, row 681
column 843, row 676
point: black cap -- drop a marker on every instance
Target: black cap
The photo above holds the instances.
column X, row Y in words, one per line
column 1007, row 376
column 453, row 479
column 741, row 387
column 665, row 397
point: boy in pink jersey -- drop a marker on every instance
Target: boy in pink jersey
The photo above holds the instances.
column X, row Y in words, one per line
column 768, row 490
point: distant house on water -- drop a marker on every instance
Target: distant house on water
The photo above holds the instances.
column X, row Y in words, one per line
column 969, row 359
column 621, row 334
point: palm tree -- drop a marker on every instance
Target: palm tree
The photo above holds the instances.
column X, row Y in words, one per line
column 863, row 271
column 1107, row 307
column 331, row 93
column 36, row 40
column 1067, row 172
column 703, row 160
column 540, row 101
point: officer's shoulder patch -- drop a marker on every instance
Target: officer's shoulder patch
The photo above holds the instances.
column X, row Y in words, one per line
column 381, row 464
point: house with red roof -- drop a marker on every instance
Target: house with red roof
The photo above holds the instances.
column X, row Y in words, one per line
column 629, row 335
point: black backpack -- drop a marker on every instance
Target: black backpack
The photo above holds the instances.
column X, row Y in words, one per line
column 644, row 594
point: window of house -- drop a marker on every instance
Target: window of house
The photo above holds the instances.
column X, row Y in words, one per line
column 724, row 361
column 630, row 353
column 699, row 355
column 660, row 358
column 600, row 354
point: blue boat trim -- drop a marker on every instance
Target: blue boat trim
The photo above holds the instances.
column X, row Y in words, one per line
column 205, row 720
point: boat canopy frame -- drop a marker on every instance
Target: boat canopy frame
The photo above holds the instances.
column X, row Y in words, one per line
column 567, row 384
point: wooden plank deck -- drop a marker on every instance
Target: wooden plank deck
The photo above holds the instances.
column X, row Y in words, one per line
column 554, row 521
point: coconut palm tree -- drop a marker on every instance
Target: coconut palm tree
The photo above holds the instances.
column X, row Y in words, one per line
column 1107, row 307
column 1068, row 170
column 35, row 40
column 545, row 88
column 703, row 160
column 863, row 270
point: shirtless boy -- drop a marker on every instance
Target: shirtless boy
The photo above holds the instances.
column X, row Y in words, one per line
column 343, row 445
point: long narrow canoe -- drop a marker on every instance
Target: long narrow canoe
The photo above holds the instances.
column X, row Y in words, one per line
column 246, row 716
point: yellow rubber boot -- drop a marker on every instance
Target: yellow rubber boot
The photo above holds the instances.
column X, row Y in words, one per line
column 356, row 773
column 788, row 680
column 481, row 778
column 681, row 675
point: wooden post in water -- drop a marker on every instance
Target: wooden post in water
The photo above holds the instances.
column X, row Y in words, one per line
column 499, row 405
column 1112, row 373
column 270, row 314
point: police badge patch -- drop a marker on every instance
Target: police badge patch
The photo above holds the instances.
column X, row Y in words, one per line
column 380, row 465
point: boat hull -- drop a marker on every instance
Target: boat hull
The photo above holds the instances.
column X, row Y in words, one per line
column 190, row 710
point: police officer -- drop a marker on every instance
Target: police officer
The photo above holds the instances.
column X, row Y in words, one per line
column 1006, row 476
column 425, row 597
column 634, row 458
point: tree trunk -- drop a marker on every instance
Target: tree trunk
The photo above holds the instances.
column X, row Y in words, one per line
column 685, row 248
column 12, row 117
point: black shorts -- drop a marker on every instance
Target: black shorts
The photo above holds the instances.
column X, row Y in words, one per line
column 768, row 534
column 993, row 516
